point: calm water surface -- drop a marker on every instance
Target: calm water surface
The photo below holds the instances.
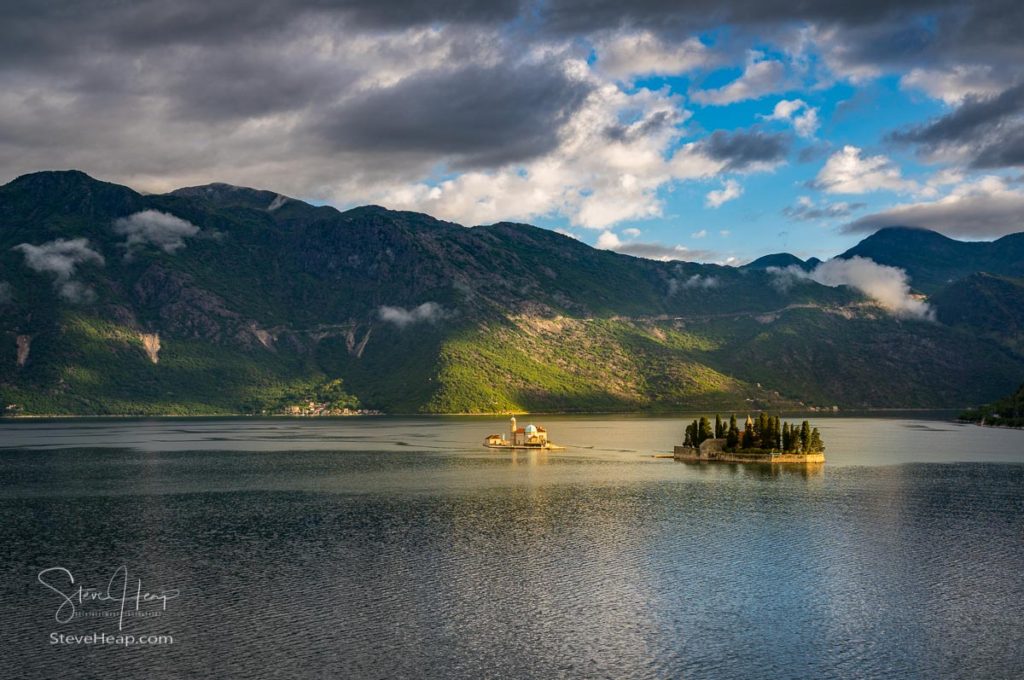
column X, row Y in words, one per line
column 390, row 548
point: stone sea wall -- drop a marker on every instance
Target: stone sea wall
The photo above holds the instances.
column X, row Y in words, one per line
column 716, row 455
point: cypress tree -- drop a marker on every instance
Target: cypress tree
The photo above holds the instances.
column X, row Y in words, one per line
column 705, row 432
column 732, row 438
column 816, row 444
column 805, row 436
column 749, row 440
column 776, row 433
column 719, row 431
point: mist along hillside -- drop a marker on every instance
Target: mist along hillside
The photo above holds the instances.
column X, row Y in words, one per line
column 220, row 299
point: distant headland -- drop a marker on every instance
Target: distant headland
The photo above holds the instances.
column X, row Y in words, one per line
column 764, row 440
column 1006, row 412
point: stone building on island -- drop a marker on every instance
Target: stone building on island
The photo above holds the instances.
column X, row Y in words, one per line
column 529, row 437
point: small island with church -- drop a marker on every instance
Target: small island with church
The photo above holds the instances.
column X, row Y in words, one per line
column 764, row 440
column 530, row 437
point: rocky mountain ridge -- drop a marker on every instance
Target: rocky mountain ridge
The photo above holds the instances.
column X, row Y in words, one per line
column 217, row 299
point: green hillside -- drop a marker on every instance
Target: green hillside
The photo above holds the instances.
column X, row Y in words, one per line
column 1005, row 412
column 222, row 299
column 986, row 305
column 934, row 261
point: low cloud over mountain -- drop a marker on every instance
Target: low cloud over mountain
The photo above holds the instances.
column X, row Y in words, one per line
column 61, row 259
column 888, row 286
column 152, row 227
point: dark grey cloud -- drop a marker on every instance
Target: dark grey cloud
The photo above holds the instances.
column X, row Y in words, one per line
column 991, row 128
column 584, row 15
column 53, row 28
column 249, row 82
column 309, row 96
column 981, row 214
column 651, row 125
column 806, row 212
column 480, row 116
column 876, row 30
column 814, row 152
column 744, row 148
column 187, row 92
column 858, row 37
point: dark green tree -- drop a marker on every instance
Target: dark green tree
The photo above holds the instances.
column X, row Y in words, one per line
column 805, row 436
column 719, row 427
column 749, row 438
column 705, row 432
column 816, row 445
column 691, row 435
column 763, row 431
column 732, row 438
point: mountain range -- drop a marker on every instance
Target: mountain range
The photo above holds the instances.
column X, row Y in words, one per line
column 220, row 299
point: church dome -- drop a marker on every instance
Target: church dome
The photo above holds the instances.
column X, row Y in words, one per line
column 531, row 429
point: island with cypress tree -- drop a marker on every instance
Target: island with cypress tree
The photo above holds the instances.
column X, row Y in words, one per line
column 765, row 440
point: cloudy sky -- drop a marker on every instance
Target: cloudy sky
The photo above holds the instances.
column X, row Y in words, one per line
column 718, row 132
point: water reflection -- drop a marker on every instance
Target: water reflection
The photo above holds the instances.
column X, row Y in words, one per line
column 851, row 441
column 758, row 470
column 528, row 457
column 463, row 562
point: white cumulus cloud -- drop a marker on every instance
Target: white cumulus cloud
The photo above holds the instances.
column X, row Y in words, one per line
column 163, row 230
column 625, row 54
column 603, row 171
column 888, row 286
column 803, row 116
column 848, row 171
column 954, row 84
column 760, row 77
column 729, row 191
column 614, row 158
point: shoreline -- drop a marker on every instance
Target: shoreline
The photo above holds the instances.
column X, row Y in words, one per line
column 977, row 424
column 852, row 413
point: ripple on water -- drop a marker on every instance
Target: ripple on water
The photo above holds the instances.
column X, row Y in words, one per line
column 450, row 565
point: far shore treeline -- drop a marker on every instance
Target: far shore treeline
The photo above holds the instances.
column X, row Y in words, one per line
column 1006, row 412
column 764, row 433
